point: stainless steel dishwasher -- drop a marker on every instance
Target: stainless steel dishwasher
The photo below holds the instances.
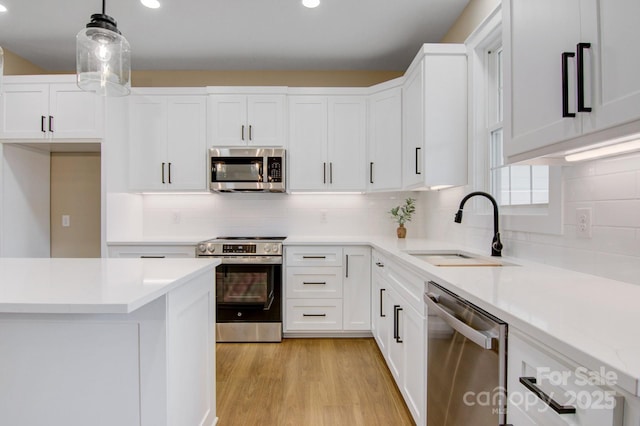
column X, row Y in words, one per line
column 466, row 362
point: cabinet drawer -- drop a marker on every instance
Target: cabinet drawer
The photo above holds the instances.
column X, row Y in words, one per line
column 533, row 368
column 128, row 251
column 313, row 256
column 314, row 282
column 314, row 314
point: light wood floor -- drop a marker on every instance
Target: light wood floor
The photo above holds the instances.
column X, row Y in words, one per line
column 306, row 382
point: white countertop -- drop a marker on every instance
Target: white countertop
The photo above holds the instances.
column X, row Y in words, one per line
column 592, row 320
column 91, row 286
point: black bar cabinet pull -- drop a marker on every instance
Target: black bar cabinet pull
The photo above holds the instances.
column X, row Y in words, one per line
column 418, row 172
column 580, row 64
column 151, row 257
column 313, row 283
column 382, row 315
column 250, row 137
column 169, row 166
column 42, row 123
column 51, row 123
column 346, row 275
column 324, row 172
column 314, row 257
column 242, row 132
column 530, row 383
column 565, row 84
column 371, row 172
column 163, row 173
column 331, row 172
column 314, row 315
column 396, row 323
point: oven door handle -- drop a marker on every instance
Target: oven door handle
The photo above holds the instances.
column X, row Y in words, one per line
column 249, row 260
column 477, row 337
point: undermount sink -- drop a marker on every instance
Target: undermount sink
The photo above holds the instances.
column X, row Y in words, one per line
column 456, row 258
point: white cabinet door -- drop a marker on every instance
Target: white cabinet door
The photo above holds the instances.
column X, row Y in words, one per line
column 535, row 35
column 346, row 151
column 308, row 143
column 265, row 120
column 50, row 111
column 414, row 387
column 611, row 28
column 75, row 113
column 357, row 288
column 385, row 140
column 240, row 120
column 413, row 127
column 147, row 142
column 25, row 111
column 167, row 143
column 228, row 120
column 186, row 143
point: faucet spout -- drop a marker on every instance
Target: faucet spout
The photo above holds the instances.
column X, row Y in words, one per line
column 496, row 244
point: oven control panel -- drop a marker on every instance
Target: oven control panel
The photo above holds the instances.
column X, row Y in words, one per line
column 239, row 248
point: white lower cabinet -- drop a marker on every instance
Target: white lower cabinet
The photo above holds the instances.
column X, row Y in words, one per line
column 547, row 389
column 399, row 327
column 151, row 251
column 327, row 289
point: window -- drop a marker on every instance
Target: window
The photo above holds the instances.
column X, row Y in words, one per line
column 517, row 185
column 529, row 195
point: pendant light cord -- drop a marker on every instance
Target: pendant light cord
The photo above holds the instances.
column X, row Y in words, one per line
column 104, row 7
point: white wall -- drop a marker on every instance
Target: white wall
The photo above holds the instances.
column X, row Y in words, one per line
column 202, row 216
column 610, row 187
column 25, row 202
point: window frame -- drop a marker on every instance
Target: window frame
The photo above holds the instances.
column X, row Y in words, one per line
column 541, row 218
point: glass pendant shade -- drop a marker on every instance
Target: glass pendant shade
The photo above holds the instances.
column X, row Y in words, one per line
column 103, row 58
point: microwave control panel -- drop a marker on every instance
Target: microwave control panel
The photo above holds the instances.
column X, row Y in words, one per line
column 274, row 169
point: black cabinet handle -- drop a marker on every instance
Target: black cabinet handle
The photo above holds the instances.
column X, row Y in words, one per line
column 324, row 172
column 314, row 257
column 250, row 137
column 51, row 124
column 346, row 275
column 418, row 172
column 242, row 132
column 371, row 172
column 42, row 118
column 396, row 323
column 313, row 283
column 530, row 383
column 580, row 64
column 314, row 315
column 380, row 265
column 382, row 315
column 331, row 172
column 163, row 173
column 169, row 166
column 565, row 84
column 152, row 257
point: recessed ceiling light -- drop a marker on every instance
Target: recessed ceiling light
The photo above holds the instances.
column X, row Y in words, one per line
column 311, row 3
column 2, row 8
column 151, row 4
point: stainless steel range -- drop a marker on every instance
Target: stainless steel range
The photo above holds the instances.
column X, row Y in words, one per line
column 248, row 287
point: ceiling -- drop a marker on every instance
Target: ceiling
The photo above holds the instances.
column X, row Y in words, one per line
column 236, row 34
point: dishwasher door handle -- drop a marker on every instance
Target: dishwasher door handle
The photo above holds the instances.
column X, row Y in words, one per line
column 477, row 337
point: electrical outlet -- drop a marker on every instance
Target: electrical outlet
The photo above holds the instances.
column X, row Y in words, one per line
column 66, row 221
column 583, row 222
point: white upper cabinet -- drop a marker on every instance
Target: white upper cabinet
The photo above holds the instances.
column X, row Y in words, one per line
column 385, row 140
column 571, row 71
column 241, row 120
column 167, row 143
column 434, row 114
column 33, row 109
column 327, row 143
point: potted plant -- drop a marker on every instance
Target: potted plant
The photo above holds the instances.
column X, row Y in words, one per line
column 402, row 214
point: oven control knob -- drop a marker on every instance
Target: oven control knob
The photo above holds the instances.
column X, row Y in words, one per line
column 267, row 248
column 211, row 248
column 239, row 314
column 202, row 248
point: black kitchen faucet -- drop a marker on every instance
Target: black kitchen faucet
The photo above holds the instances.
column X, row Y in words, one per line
column 496, row 245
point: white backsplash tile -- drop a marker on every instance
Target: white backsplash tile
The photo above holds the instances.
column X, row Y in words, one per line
column 610, row 187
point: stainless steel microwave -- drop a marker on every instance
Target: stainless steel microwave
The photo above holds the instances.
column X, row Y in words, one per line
column 247, row 169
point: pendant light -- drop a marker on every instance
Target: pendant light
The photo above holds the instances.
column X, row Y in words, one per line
column 103, row 57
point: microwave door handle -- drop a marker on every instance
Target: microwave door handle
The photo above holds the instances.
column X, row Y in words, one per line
column 477, row 337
